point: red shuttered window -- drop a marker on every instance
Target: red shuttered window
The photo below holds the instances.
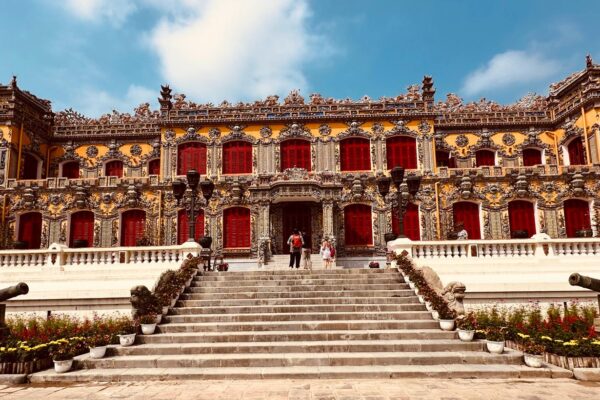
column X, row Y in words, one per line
column 577, row 216
column 485, row 158
column 237, row 158
column 133, row 227
column 82, row 228
column 236, row 227
column 358, row 225
column 412, row 229
column 114, row 168
column 70, row 170
column 30, row 229
column 521, row 216
column 401, row 151
column 443, row 158
column 295, row 153
column 576, row 152
column 30, row 166
column 532, row 157
column 355, row 154
column 154, row 167
column 183, row 226
column 468, row 214
column 191, row 156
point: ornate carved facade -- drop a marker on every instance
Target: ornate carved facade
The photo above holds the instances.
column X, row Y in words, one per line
column 489, row 166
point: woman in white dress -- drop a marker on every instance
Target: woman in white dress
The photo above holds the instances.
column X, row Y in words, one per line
column 326, row 253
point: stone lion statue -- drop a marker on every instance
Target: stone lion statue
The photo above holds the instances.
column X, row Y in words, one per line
column 453, row 292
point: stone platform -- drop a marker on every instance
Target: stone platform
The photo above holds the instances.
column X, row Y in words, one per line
column 342, row 323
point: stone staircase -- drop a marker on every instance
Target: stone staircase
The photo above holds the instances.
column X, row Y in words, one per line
column 298, row 324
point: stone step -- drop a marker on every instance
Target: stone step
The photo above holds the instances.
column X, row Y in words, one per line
column 299, row 301
column 331, row 316
column 303, row 359
column 296, row 309
column 224, row 327
column 191, row 294
column 204, row 281
column 298, row 288
column 449, row 371
column 296, row 336
column 284, row 274
column 334, row 346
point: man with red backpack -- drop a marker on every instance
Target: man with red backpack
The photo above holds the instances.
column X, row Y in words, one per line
column 295, row 241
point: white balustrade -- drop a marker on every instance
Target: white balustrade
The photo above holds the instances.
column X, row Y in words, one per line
column 62, row 256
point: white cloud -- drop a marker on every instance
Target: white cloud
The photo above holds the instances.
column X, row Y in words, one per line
column 508, row 69
column 93, row 102
column 113, row 11
column 236, row 49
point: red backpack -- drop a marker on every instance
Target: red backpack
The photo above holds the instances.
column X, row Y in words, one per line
column 297, row 241
column 332, row 251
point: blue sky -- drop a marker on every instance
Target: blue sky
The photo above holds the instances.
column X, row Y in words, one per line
column 100, row 55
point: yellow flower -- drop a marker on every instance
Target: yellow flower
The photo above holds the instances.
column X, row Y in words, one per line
column 570, row 344
column 522, row 335
column 596, row 342
column 546, row 338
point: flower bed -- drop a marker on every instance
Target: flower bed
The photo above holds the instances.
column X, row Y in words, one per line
column 565, row 337
column 34, row 341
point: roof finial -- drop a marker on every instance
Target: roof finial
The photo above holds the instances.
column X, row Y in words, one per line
column 589, row 63
column 13, row 82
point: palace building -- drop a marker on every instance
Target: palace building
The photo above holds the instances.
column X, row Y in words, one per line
column 504, row 171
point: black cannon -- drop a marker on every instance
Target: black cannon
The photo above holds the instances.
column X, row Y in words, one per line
column 5, row 294
column 585, row 282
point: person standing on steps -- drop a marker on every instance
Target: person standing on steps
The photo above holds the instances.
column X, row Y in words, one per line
column 306, row 250
column 326, row 250
column 295, row 241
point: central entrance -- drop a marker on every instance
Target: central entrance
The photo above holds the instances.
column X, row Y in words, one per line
column 305, row 216
column 299, row 216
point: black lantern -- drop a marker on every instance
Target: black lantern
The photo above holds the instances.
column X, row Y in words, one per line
column 207, row 188
column 178, row 189
column 193, row 177
column 412, row 187
column 383, row 184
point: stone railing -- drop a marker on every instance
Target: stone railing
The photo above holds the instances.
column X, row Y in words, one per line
column 59, row 256
column 514, row 248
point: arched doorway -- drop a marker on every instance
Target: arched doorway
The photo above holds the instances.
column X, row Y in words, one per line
column 577, row 216
column 30, row 230
column 401, row 151
column 133, row 227
column 521, row 217
column 358, row 225
column 576, row 152
column 467, row 213
column 236, row 228
column 295, row 153
column 191, row 155
column 355, row 154
column 82, row 228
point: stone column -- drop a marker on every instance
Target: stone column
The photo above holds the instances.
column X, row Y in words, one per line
column 328, row 219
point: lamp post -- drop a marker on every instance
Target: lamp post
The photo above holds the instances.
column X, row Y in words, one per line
column 404, row 192
column 207, row 187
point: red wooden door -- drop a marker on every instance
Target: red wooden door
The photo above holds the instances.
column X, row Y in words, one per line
column 521, row 216
column 183, row 226
column 82, row 227
column 468, row 214
column 485, row 158
column 30, row 229
column 577, row 216
column 576, row 152
column 236, row 228
column 237, row 158
column 70, row 170
column 358, row 225
column 114, row 168
column 154, row 167
column 296, row 216
column 30, row 166
column 532, row 157
column 412, row 227
column 355, row 154
column 295, row 153
column 401, row 151
column 133, row 227
column 191, row 156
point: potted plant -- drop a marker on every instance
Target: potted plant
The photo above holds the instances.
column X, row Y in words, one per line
column 97, row 345
column 446, row 315
column 127, row 334
column 466, row 325
column 373, row 264
column 62, row 355
column 532, row 353
column 223, row 267
column 148, row 323
column 494, row 339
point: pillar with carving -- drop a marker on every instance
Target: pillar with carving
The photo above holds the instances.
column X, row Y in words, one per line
column 328, row 232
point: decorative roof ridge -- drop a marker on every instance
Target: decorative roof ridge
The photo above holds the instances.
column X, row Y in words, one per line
column 455, row 104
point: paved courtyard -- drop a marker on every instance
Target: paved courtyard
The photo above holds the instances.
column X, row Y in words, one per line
column 430, row 389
